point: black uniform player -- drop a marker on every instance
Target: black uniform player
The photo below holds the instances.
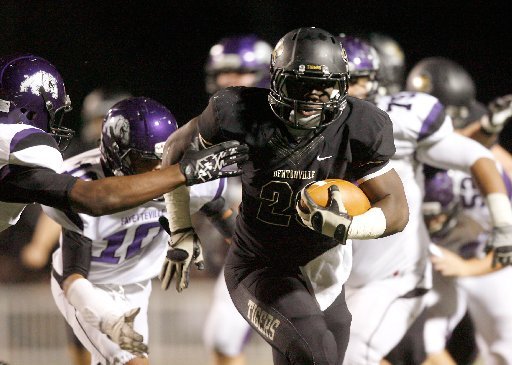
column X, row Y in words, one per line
column 310, row 132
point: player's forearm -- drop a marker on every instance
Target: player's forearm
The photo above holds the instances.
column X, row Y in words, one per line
column 487, row 176
column 115, row 194
column 475, row 267
column 386, row 193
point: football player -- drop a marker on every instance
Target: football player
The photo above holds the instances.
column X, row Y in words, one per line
column 310, row 132
column 241, row 60
column 455, row 88
column 458, row 221
column 33, row 101
column 127, row 249
column 390, row 275
column 392, row 63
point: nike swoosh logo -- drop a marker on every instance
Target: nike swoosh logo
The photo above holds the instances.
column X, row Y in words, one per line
column 322, row 158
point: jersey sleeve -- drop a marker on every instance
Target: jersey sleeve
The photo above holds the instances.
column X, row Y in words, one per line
column 39, row 185
column 427, row 121
column 32, row 147
column 453, row 151
column 223, row 118
column 371, row 144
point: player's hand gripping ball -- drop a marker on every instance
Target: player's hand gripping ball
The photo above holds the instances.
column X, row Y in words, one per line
column 354, row 199
column 328, row 207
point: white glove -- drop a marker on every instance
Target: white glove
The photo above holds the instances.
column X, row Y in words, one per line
column 332, row 221
column 119, row 329
column 501, row 112
column 501, row 243
column 184, row 249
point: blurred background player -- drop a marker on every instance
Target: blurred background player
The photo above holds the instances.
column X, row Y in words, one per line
column 94, row 108
column 241, row 60
column 128, row 247
column 452, row 84
column 395, row 269
column 455, row 88
column 458, row 221
column 392, row 66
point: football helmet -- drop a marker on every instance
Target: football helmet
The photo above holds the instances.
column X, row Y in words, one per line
column 449, row 82
column 137, row 126
column 32, row 92
column 391, row 73
column 363, row 62
column 304, row 60
column 241, row 54
column 440, row 203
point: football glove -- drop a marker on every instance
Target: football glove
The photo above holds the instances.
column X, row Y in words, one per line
column 332, row 221
column 501, row 243
column 501, row 112
column 202, row 165
column 119, row 329
column 184, row 249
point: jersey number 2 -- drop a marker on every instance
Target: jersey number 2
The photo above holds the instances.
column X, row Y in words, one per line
column 276, row 198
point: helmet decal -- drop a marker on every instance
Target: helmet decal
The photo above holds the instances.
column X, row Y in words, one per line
column 40, row 79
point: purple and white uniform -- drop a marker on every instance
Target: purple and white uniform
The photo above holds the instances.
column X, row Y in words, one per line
column 390, row 275
column 485, row 297
column 128, row 250
column 29, row 158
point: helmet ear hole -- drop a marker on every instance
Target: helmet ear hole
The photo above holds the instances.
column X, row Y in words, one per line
column 31, row 115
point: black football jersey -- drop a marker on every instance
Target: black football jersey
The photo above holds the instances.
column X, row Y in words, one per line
column 268, row 227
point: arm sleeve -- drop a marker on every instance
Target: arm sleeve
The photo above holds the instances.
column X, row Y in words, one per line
column 37, row 184
column 453, row 152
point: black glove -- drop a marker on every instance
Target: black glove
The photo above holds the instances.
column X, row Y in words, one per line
column 501, row 243
column 200, row 166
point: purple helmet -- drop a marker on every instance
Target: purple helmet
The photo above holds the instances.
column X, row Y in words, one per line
column 440, row 203
column 32, row 92
column 363, row 61
column 243, row 54
column 135, row 125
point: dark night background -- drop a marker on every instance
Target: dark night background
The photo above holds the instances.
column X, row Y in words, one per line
column 157, row 49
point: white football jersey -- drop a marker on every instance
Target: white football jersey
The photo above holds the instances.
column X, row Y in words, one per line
column 419, row 121
column 23, row 146
column 473, row 204
column 129, row 246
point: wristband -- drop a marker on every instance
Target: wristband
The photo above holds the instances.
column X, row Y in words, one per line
column 499, row 209
column 177, row 204
column 370, row 224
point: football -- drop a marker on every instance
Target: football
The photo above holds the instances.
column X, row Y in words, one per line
column 354, row 199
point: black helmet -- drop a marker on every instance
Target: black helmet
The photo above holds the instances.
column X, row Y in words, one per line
column 308, row 59
column 447, row 81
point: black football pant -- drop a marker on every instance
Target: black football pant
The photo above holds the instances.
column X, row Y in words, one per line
column 278, row 305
